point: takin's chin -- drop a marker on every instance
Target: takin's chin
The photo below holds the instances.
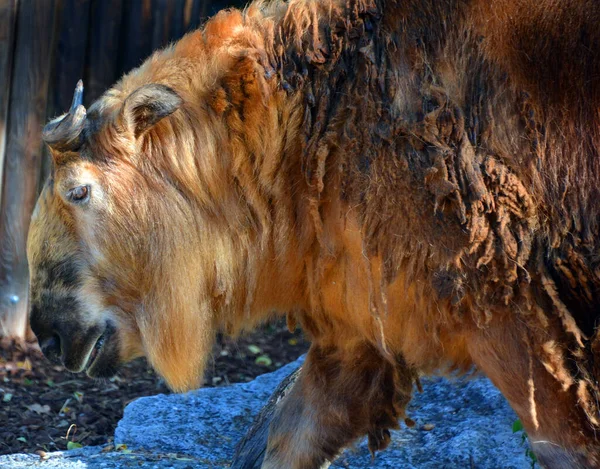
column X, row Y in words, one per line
column 415, row 184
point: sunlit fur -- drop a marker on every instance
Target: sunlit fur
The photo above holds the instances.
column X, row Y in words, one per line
column 415, row 182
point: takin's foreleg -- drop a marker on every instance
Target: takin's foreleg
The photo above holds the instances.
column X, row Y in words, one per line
column 250, row 450
column 339, row 396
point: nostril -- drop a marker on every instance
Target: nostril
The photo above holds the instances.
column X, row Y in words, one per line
column 51, row 348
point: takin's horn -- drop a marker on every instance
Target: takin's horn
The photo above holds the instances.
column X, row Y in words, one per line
column 64, row 132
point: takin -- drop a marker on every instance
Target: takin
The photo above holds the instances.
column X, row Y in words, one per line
column 416, row 183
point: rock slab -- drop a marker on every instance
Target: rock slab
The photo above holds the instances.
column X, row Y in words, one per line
column 472, row 428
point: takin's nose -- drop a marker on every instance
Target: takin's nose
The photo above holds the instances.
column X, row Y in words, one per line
column 553, row 456
column 49, row 340
column 51, row 348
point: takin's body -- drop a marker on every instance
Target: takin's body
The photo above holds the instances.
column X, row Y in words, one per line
column 414, row 182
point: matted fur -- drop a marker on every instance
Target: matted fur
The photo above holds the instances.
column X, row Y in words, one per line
column 414, row 181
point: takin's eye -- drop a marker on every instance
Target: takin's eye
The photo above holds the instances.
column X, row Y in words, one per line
column 78, row 194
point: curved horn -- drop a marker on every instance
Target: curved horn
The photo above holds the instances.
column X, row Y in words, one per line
column 64, row 133
column 77, row 96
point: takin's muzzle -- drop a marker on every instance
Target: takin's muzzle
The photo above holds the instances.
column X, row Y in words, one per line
column 93, row 348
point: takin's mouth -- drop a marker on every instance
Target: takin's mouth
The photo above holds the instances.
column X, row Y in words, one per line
column 95, row 352
column 103, row 360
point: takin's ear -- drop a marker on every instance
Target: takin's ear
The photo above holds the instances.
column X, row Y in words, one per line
column 147, row 105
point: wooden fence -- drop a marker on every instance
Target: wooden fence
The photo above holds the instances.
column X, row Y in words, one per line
column 45, row 47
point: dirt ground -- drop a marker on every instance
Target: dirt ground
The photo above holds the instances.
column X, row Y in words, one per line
column 43, row 407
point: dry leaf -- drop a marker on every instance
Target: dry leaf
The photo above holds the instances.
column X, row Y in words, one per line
column 39, row 409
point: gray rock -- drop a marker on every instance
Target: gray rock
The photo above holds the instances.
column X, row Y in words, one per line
column 95, row 458
column 472, row 428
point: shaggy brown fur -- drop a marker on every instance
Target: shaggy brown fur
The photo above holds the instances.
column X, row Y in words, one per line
column 414, row 182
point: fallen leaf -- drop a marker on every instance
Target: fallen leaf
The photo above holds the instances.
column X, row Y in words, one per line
column 263, row 360
column 7, row 397
column 121, row 448
column 24, row 365
column 22, row 439
column 517, row 426
column 64, row 409
column 73, row 445
column 39, row 409
column 254, row 349
column 62, row 424
column 410, row 423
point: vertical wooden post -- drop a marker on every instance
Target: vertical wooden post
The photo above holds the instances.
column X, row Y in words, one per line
column 103, row 49
column 72, row 21
column 68, row 62
column 177, row 21
column 27, row 113
column 8, row 13
column 212, row 7
column 161, row 23
column 136, row 34
column 193, row 14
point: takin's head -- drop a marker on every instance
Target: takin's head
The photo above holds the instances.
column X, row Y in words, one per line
column 127, row 255
column 84, row 312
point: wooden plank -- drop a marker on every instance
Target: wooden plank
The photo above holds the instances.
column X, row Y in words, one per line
column 27, row 113
column 136, row 34
column 177, row 20
column 72, row 21
column 172, row 19
column 188, row 11
column 8, row 10
column 193, row 14
column 161, row 23
column 102, row 67
column 212, row 7
column 70, row 44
